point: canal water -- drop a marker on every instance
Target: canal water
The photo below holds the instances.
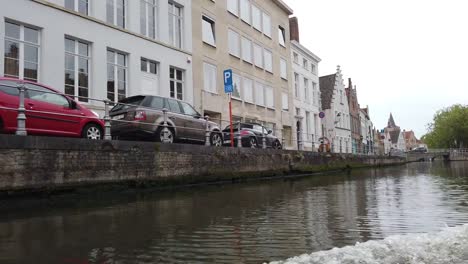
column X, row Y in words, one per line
column 417, row 209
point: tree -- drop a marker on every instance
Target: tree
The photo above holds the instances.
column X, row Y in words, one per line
column 449, row 128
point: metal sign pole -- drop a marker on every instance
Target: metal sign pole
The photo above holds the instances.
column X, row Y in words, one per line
column 230, row 120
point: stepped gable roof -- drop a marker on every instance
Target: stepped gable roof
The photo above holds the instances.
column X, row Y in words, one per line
column 327, row 86
column 394, row 136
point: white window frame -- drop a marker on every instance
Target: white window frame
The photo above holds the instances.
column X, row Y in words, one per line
column 269, row 97
column 144, row 18
column 248, row 91
column 77, row 56
column 209, row 34
column 266, row 24
column 233, row 7
column 268, row 60
column 305, row 64
column 246, row 45
column 76, row 6
column 209, row 78
column 176, row 19
column 283, row 69
column 148, row 68
column 296, row 58
column 284, row 102
column 237, row 81
column 21, row 43
column 114, row 13
column 116, row 67
column 176, row 81
column 282, row 36
column 256, row 17
column 296, row 85
column 306, row 90
column 246, row 17
column 259, row 94
column 258, row 55
column 234, row 43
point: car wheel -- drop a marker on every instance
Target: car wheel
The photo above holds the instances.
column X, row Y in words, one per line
column 277, row 145
column 216, row 139
column 160, row 135
column 92, row 131
column 253, row 142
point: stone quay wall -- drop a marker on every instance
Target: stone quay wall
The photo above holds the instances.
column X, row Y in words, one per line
column 41, row 164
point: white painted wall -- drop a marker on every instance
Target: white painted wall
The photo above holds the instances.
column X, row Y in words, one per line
column 55, row 23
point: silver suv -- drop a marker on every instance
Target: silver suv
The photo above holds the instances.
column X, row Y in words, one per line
column 141, row 117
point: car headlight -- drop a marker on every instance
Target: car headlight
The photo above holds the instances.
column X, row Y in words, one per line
column 94, row 113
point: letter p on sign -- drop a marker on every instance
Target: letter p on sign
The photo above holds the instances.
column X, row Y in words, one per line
column 228, row 81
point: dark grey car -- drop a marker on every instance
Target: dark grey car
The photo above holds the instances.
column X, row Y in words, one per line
column 141, row 117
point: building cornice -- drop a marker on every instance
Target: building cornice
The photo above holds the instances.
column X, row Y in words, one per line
column 51, row 5
column 300, row 47
column 284, row 6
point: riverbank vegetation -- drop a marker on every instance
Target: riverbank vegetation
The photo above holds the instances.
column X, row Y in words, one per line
column 449, row 128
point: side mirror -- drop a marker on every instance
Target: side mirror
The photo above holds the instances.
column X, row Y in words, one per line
column 197, row 116
column 270, row 132
column 72, row 104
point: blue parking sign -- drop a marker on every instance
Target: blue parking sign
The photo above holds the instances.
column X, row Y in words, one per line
column 228, row 88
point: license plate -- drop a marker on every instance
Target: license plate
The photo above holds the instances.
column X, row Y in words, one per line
column 117, row 117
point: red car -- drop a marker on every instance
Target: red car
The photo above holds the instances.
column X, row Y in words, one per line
column 47, row 113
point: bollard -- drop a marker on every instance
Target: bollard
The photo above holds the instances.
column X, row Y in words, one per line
column 107, row 123
column 239, row 137
column 165, row 129
column 264, row 146
column 21, row 118
column 207, row 131
column 299, row 140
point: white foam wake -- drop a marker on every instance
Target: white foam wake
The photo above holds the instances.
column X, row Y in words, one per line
column 447, row 246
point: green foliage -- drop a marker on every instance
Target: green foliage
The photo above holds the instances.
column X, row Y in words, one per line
column 449, row 128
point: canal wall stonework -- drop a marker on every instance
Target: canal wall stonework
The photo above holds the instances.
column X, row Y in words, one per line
column 48, row 163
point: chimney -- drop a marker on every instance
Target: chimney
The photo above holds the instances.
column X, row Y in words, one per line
column 294, row 29
column 350, row 84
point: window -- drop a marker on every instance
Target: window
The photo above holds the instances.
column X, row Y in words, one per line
column 188, row 109
column 208, row 28
column 44, row 95
column 296, row 85
column 284, row 69
column 308, row 126
column 149, row 66
column 281, row 36
column 341, row 96
column 176, row 83
column 9, row 87
column 306, row 90
column 266, row 24
column 149, row 18
column 256, row 18
column 157, row 103
column 285, row 102
column 305, row 64
column 80, row 6
column 295, row 57
column 259, row 94
column 77, row 68
column 116, row 75
column 209, row 71
column 116, row 12
column 174, row 106
column 233, row 7
column 234, row 46
column 313, row 68
column 269, row 97
column 236, row 83
column 315, row 94
column 245, row 11
column 248, row 90
column 246, row 50
column 175, row 25
column 268, row 60
column 258, row 55
column 22, row 45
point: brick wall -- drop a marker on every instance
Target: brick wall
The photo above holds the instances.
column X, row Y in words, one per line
column 38, row 163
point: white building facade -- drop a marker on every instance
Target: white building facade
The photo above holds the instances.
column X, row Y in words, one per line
column 99, row 49
column 306, row 94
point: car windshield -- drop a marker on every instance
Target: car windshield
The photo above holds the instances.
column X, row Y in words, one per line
column 128, row 103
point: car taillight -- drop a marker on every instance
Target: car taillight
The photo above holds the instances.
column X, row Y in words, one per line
column 244, row 133
column 140, row 115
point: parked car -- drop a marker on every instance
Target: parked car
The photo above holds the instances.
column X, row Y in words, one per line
column 251, row 136
column 141, row 117
column 48, row 112
column 418, row 150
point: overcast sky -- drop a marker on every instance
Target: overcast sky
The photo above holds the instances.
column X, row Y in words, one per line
column 408, row 57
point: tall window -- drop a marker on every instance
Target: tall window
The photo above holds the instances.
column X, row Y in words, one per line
column 284, row 69
column 77, row 69
column 236, row 83
column 256, row 18
column 308, row 126
column 233, row 7
column 315, row 94
column 295, row 57
column 258, row 55
column 234, row 40
column 305, row 64
column 296, row 85
column 176, row 83
column 245, row 11
column 22, row 45
column 116, row 12
column 259, row 94
column 281, row 36
column 149, row 18
column 246, row 50
column 266, row 19
column 268, row 60
column 176, row 24
column 116, row 75
column 269, row 97
column 306, row 90
column 208, row 28
column 313, row 68
column 80, row 6
column 248, row 90
column 209, row 71
column 284, row 102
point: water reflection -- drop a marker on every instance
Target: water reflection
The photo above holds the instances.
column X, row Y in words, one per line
column 246, row 223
